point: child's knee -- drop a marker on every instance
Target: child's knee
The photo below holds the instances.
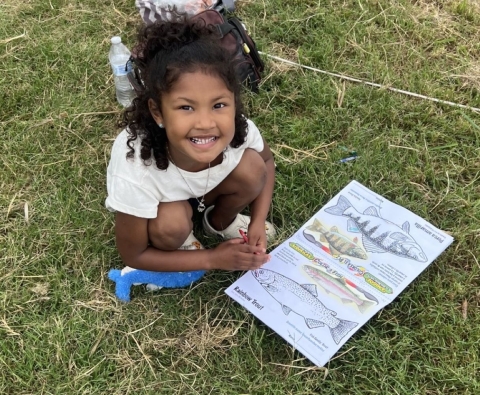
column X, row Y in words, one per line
column 253, row 172
column 172, row 226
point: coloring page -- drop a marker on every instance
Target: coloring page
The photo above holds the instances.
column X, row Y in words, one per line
column 351, row 259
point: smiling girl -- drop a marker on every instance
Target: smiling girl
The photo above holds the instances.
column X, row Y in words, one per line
column 187, row 146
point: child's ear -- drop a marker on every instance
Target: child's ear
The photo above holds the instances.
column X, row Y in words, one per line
column 155, row 111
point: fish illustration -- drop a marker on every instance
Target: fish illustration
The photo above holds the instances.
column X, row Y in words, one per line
column 302, row 300
column 368, row 295
column 378, row 234
column 337, row 243
column 336, row 286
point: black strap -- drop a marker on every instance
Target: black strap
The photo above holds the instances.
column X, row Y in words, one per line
column 224, row 29
column 243, row 34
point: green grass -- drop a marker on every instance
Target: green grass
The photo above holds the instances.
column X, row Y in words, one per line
column 61, row 328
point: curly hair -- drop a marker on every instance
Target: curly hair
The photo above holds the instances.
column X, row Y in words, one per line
column 165, row 51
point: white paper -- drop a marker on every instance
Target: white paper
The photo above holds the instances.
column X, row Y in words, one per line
column 351, row 259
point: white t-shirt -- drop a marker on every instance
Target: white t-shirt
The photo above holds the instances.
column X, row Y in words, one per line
column 136, row 189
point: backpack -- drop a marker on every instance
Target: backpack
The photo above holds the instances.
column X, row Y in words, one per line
column 234, row 37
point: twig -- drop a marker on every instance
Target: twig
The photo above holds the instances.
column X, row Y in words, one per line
column 7, row 40
column 146, row 326
column 343, row 353
column 144, row 356
column 96, row 113
column 400, row 146
column 347, row 78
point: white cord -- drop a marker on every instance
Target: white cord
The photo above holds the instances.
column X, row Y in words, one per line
column 344, row 77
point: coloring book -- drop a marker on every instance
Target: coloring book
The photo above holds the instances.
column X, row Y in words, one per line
column 351, row 259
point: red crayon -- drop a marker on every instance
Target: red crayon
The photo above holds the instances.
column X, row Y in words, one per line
column 242, row 233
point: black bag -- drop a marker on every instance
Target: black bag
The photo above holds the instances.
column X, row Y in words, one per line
column 234, row 38
column 237, row 41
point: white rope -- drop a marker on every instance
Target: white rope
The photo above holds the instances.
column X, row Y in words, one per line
column 347, row 78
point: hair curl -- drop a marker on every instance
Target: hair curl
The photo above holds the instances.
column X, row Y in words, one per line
column 165, row 51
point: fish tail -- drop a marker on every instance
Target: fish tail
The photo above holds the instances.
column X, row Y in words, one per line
column 339, row 332
column 341, row 206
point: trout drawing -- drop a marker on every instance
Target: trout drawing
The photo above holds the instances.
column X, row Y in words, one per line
column 378, row 234
column 336, row 286
column 338, row 244
column 302, row 300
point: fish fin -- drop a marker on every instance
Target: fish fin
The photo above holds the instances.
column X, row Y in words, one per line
column 334, row 229
column 311, row 323
column 323, row 239
column 317, row 224
column 352, row 226
column 371, row 211
column 406, row 227
column 270, row 288
column 312, row 288
column 355, row 240
column 314, row 226
column 340, row 331
column 342, row 205
column 286, row 310
column 370, row 247
column 365, row 306
column 327, row 291
column 399, row 236
column 347, row 301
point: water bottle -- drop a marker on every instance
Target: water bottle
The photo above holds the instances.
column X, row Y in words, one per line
column 119, row 56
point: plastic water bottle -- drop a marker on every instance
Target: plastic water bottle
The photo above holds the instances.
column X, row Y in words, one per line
column 119, row 56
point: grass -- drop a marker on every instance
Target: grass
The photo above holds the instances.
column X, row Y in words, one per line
column 61, row 328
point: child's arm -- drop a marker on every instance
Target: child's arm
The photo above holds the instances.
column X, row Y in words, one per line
column 132, row 242
column 260, row 206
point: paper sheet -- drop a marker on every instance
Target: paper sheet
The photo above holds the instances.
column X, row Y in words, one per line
column 351, row 259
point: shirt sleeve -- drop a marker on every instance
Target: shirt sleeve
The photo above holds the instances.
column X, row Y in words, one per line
column 129, row 198
column 254, row 138
column 127, row 183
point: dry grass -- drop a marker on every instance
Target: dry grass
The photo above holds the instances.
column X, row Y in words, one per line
column 63, row 330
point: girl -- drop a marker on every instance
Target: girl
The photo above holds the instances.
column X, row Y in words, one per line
column 186, row 137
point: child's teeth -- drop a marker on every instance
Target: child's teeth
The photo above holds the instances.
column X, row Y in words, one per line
column 202, row 141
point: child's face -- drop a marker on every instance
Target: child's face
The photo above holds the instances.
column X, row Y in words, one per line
column 199, row 118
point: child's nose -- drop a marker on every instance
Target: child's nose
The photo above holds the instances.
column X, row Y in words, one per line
column 205, row 120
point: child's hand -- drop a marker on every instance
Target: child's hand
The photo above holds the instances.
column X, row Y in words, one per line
column 235, row 254
column 257, row 235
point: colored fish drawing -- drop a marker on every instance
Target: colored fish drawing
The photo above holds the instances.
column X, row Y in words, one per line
column 368, row 295
column 337, row 287
column 302, row 300
column 338, row 244
column 378, row 234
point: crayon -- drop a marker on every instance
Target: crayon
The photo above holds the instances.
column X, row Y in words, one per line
column 242, row 233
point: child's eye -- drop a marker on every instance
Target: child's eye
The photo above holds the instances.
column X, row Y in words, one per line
column 186, row 108
column 219, row 105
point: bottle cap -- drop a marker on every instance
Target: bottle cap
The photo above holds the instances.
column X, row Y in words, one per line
column 116, row 40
